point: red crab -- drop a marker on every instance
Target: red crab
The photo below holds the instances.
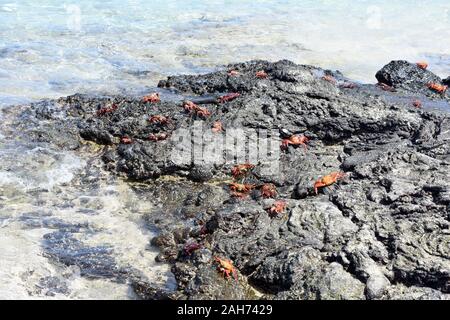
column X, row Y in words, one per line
column 189, row 248
column 439, row 88
column 295, row 140
column 349, row 85
column 152, row 98
column 328, row 180
column 106, row 110
column 422, row 65
column 189, row 106
column 226, row 268
column 159, row 119
column 417, row 103
column 228, row 97
column 329, row 78
column 202, row 112
column 268, row 190
column 217, row 127
column 262, row 74
column 241, row 169
column 233, row 73
column 126, row 140
column 277, row 208
column 386, row 87
column 158, row 136
column 239, row 190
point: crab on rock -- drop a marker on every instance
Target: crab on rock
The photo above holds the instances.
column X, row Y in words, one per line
column 329, row 78
column 158, row 136
column 126, row 140
column 189, row 106
column 439, row 88
column 233, row 73
column 226, row 268
column 268, row 190
column 228, row 97
column 189, row 248
column 241, row 169
column 262, row 74
column 152, row 98
column 159, row 119
column 277, row 208
column 422, row 65
column 106, row 110
column 294, row 140
column 417, row 103
column 328, row 180
column 240, row 190
column 217, row 127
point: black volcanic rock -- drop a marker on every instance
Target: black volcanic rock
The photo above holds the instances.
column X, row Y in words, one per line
column 381, row 232
column 446, row 81
column 408, row 76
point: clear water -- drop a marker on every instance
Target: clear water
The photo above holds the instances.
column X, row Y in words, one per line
column 52, row 48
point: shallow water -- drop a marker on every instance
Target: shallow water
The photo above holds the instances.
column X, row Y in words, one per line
column 52, row 48
column 42, row 194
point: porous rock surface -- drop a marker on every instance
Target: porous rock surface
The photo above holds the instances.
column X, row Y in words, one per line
column 382, row 232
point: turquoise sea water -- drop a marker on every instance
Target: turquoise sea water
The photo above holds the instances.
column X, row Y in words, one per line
column 53, row 48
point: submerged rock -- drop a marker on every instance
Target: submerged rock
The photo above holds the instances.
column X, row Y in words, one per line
column 380, row 232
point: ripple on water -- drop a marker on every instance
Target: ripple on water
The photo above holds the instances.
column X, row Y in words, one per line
column 65, row 238
column 98, row 46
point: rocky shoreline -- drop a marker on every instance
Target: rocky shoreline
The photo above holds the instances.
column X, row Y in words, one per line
column 380, row 232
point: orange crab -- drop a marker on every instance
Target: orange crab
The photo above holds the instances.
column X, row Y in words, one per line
column 202, row 112
column 294, row 140
column 262, row 74
column 241, row 169
column 268, row 190
column 422, row 65
column 126, row 140
column 239, row 190
column 328, row 180
column 152, row 98
column 233, row 73
column 228, row 97
column 189, row 106
column 329, row 78
column 158, row 137
column 417, row 103
column 159, row 119
column 226, row 268
column 277, row 208
column 217, row 127
column 439, row 88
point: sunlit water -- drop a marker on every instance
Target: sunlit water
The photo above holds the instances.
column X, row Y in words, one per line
column 55, row 48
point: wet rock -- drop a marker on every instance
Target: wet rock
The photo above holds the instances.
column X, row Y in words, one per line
column 94, row 262
column 381, row 232
column 51, row 286
column 407, row 76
